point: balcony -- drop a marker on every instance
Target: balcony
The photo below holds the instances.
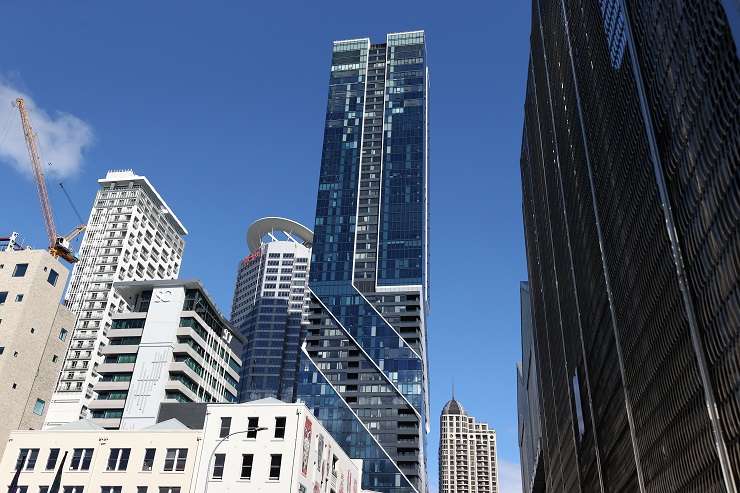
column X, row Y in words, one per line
column 106, row 403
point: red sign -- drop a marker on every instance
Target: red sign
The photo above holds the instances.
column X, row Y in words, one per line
column 306, row 447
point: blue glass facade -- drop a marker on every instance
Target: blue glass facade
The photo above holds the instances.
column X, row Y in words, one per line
column 366, row 336
column 271, row 351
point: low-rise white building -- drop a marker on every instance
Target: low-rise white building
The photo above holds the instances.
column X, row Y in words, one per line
column 264, row 446
column 89, row 458
column 272, row 447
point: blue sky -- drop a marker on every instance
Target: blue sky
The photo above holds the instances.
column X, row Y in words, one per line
column 221, row 105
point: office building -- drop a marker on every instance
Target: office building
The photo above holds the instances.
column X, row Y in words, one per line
column 363, row 366
column 82, row 457
column 265, row 445
column 528, row 402
column 270, row 299
column 467, row 452
column 630, row 175
column 273, row 447
column 171, row 344
column 131, row 235
column 34, row 333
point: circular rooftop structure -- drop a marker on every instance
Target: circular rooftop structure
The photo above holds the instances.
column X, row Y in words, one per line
column 275, row 228
column 453, row 407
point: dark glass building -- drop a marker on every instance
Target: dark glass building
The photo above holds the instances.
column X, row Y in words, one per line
column 528, row 402
column 631, row 197
column 363, row 370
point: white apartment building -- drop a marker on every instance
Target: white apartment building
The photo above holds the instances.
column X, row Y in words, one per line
column 170, row 345
column 467, row 453
column 269, row 446
column 34, row 334
column 89, row 459
column 264, row 446
column 131, row 234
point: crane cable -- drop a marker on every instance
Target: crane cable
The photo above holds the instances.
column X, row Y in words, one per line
column 69, row 199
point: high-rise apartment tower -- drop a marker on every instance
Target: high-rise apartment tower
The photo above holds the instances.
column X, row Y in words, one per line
column 467, row 453
column 364, row 369
column 131, row 235
column 269, row 306
column 630, row 166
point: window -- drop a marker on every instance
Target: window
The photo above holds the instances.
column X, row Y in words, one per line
column 54, row 358
column 334, row 461
column 149, row 459
column 176, row 457
column 63, row 334
column 52, row 277
column 38, row 408
column 18, row 489
column 141, row 489
column 20, row 270
column 252, row 424
column 72, row 489
column 18, row 298
column 111, row 489
column 51, row 462
column 275, row 460
column 43, row 489
column 225, row 427
column 280, row 427
column 3, row 296
column 118, row 459
column 27, row 457
column 81, row 458
column 579, row 408
column 169, row 489
column 247, row 461
column 218, row 466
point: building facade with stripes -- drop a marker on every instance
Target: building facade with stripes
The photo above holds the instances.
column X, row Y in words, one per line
column 630, row 166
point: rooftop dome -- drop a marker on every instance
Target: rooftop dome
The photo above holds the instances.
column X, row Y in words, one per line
column 453, row 407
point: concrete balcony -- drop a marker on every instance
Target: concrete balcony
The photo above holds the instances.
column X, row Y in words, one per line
column 119, row 349
column 107, row 404
column 115, row 368
column 125, row 333
column 103, row 386
column 180, row 387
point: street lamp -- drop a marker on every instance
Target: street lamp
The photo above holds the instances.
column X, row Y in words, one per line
column 213, row 453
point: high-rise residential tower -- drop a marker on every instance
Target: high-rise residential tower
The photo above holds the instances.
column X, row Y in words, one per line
column 131, row 235
column 467, row 453
column 269, row 306
column 34, row 333
column 363, row 368
column 630, row 166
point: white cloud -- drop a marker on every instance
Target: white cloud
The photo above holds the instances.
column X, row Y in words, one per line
column 509, row 477
column 62, row 137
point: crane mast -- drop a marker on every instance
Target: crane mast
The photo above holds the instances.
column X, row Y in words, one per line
column 59, row 246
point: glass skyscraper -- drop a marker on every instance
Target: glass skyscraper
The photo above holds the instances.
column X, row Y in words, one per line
column 363, row 369
column 630, row 165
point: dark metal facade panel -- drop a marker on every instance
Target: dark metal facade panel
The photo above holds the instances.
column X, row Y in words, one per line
column 697, row 130
column 622, row 399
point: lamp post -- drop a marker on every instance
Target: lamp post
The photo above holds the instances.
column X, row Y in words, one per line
column 213, row 452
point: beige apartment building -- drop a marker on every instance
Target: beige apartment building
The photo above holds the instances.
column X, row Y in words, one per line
column 34, row 334
column 467, row 453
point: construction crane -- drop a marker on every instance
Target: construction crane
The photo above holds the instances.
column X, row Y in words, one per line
column 59, row 246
